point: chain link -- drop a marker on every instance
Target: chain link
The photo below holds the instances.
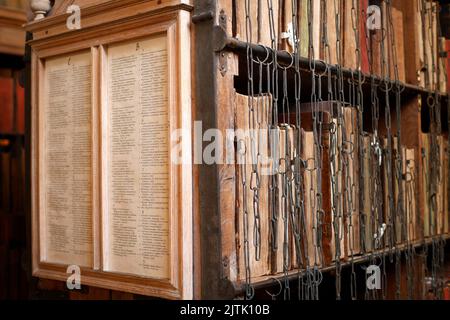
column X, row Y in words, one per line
column 392, row 205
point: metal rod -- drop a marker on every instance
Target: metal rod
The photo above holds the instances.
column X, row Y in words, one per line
column 293, row 275
column 223, row 42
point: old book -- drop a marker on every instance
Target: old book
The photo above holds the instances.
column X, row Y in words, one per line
column 395, row 41
column 446, row 188
column 282, row 255
column 298, row 240
column 388, row 183
column 447, row 46
column 5, row 182
column 66, row 226
column 277, row 146
column 377, row 38
column 355, row 54
column 316, row 29
column 399, row 192
column 320, row 176
column 425, row 187
column 427, row 45
column 413, row 42
column 349, row 36
column 310, row 178
column 287, row 39
column 310, row 200
column 350, row 156
column 291, row 140
column 419, row 22
column 367, row 215
column 388, row 50
column 328, row 53
column 430, row 43
column 246, row 21
column 410, row 190
column 310, row 29
column 6, row 105
column 440, row 186
column 325, row 189
column 363, row 35
column 398, row 214
column 331, row 170
column 252, row 216
column 304, row 29
column 401, row 219
column 336, row 193
column 434, row 44
column 262, row 27
column 326, row 114
column 442, row 65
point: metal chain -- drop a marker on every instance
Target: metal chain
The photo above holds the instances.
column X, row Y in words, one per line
column 398, row 213
column 286, row 185
column 336, row 152
column 250, row 91
column 297, row 206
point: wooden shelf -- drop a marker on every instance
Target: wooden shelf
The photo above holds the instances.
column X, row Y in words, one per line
column 222, row 42
column 267, row 281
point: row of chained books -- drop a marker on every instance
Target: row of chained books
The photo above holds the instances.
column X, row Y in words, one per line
column 313, row 187
column 396, row 39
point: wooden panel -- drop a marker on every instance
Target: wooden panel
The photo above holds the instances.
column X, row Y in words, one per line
column 104, row 12
column 252, row 218
column 228, row 180
column 174, row 26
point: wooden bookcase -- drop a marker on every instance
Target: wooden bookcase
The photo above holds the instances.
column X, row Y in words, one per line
column 205, row 196
column 225, row 74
